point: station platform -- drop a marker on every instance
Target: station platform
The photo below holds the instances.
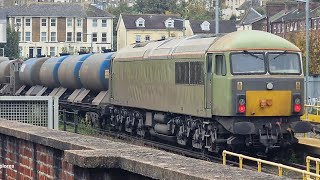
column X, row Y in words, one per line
column 310, row 144
column 78, row 156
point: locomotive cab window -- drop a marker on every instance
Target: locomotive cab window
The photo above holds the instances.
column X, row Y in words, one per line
column 248, row 63
column 284, row 63
column 220, row 64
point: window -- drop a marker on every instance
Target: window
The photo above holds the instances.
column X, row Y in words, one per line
column 79, row 22
column 18, row 21
column 20, row 51
column 94, row 22
column 104, row 23
column 279, row 28
column 282, row 28
column 43, row 22
column 28, row 22
column 182, row 72
column 69, row 22
column 78, row 36
column 248, row 63
column 28, row 38
column 205, row 26
column 138, row 38
column 295, row 26
column 147, row 38
column 104, row 37
column 288, row 27
column 53, row 22
column 315, row 24
column 284, row 63
column 53, row 37
column 94, row 37
column 274, row 28
column 19, row 36
column 52, row 51
column 43, row 36
column 69, row 36
column 140, row 22
column 220, row 65
column 170, row 23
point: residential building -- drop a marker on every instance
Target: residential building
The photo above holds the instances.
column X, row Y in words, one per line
column 293, row 21
column 252, row 20
column 49, row 29
column 209, row 27
column 145, row 27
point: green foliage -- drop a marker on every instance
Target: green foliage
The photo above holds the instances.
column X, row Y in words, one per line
column 116, row 11
column 299, row 39
column 233, row 17
column 155, row 6
column 11, row 48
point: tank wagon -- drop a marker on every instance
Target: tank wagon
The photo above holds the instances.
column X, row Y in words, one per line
column 241, row 90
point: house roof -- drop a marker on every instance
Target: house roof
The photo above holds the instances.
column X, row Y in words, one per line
column 294, row 15
column 224, row 26
column 56, row 10
column 251, row 16
column 152, row 21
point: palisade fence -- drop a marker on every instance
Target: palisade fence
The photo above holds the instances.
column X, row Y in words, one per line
column 35, row 110
column 314, row 87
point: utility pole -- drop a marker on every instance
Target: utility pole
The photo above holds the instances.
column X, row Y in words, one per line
column 217, row 16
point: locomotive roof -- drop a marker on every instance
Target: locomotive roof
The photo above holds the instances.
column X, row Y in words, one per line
column 197, row 46
column 252, row 40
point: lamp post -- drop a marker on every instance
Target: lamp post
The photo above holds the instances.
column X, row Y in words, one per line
column 217, row 16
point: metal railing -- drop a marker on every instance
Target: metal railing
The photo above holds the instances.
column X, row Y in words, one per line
column 305, row 173
column 317, row 160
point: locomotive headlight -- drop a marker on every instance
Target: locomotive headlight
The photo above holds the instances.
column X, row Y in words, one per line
column 269, row 86
column 241, row 101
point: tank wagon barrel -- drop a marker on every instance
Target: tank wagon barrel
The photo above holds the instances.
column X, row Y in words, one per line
column 94, row 72
column 68, row 72
column 30, row 71
column 49, row 72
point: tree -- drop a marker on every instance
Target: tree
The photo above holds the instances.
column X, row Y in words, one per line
column 11, row 48
column 116, row 11
column 155, row 6
column 299, row 39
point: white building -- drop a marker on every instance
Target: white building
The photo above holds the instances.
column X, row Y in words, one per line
column 49, row 29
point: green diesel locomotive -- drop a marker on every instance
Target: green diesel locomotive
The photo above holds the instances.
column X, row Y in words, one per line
column 244, row 89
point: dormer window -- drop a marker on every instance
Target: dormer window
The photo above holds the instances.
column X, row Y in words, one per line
column 205, row 26
column 140, row 22
column 169, row 23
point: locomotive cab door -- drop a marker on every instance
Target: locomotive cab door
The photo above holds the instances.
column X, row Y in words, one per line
column 208, row 89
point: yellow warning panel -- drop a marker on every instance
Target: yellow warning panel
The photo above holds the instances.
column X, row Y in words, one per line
column 268, row 103
column 309, row 141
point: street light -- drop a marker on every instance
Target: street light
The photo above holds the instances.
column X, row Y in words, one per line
column 307, row 47
column 90, row 34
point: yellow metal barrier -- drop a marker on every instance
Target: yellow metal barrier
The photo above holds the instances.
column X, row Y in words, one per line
column 305, row 173
column 308, row 160
column 312, row 117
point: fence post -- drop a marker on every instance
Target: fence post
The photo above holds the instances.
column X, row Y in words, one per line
column 259, row 166
column 240, row 162
column 75, row 117
column 317, row 169
column 280, row 170
column 224, row 158
column 64, row 120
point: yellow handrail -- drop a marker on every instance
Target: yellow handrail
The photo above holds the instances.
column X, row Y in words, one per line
column 317, row 160
column 260, row 161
